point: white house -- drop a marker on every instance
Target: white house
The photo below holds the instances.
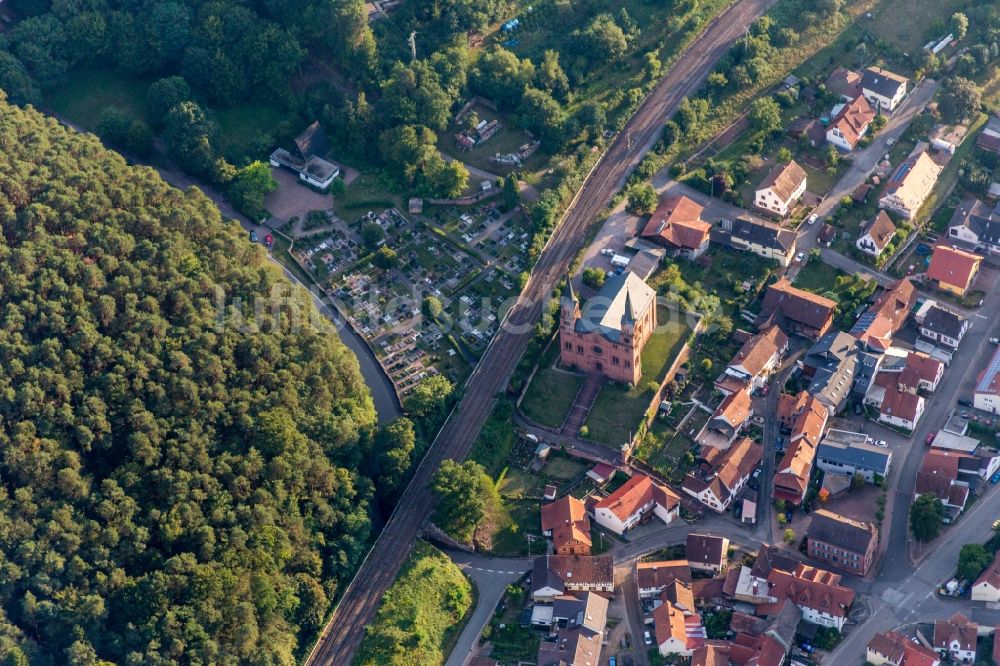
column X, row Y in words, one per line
column 883, row 88
column 876, row 235
column 945, row 328
column 781, row 189
column 987, row 394
column 956, row 637
column 626, row 507
column 850, row 124
column 910, row 185
column 901, row 409
column 987, row 586
column 754, row 362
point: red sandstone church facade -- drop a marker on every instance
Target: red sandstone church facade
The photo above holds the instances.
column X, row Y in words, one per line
column 607, row 336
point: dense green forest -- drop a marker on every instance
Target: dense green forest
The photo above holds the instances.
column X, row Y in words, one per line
column 178, row 484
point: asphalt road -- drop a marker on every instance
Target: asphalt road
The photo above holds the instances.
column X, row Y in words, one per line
column 343, row 633
column 491, row 576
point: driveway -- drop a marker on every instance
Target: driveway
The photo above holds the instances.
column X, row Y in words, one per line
column 491, row 576
column 292, row 199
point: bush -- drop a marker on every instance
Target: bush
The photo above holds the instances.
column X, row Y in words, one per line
column 594, row 277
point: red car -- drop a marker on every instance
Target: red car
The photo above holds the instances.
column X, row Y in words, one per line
column 268, row 240
column 930, row 437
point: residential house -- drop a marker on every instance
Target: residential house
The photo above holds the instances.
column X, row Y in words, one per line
column 581, row 624
column 939, row 476
column 307, row 159
column 636, row 498
column 897, row 650
column 878, row 325
column 850, row 123
column 783, row 186
column 987, row 586
column 953, row 269
column 677, row 633
column 844, row 82
column 830, row 366
column 989, row 138
column 565, row 521
column 941, row 326
column 876, row 235
column 921, row 373
column 901, row 409
column 676, row 224
column 652, row 577
column 727, row 421
column 987, row 393
column 817, row 592
column 608, row 335
column 976, row 226
column 727, row 474
column 956, row 638
column 762, row 238
column 850, row 453
column 910, row 185
column 791, row 479
column 841, row 542
column 797, row 311
column 713, row 653
column 707, row 553
column 555, row 575
column 882, row 88
column 754, row 362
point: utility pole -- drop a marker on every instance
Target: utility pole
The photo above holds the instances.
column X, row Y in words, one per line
column 413, row 45
column 628, row 138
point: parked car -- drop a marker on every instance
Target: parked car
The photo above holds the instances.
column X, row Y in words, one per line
column 996, row 524
column 930, row 438
column 253, row 236
column 812, row 219
column 881, row 442
column 607, row 252
column 995, row 341
column 648, row 638
column 995, row 479
column 965, row 402
column 799, row 257
column 268, row 240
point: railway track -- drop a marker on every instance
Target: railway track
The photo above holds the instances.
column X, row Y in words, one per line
column 341, row 637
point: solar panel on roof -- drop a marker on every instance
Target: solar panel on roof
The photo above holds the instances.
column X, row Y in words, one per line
column 991, row 371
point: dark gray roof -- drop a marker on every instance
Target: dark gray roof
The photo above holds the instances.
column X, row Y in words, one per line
column 865, row 371
column 832, row 528
column 763, row 233
column 881, row 81
column 312, row 141
column 834, row 358
column 542, row 576
column 980, row 220
column 864, row 456
column 944, row 321
column 782, row 627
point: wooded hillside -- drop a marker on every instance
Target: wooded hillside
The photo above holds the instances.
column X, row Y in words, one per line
column 176, row 486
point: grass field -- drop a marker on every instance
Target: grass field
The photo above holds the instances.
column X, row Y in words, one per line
column 909, row 24
column 817, row 276
column 518, row 484
column 618, row 409
column 369, row 191
column 89, row 91
column 550, row 396
column 564, row 469
column 241, row 129
column 521, row 518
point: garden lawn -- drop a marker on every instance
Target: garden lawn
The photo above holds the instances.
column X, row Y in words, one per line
column 520, row 518
column 369, row 191
column 564, row 469
column 89, row 91
column 550, row 396
column 817, row 276
column 518, row 484
column 618, row 410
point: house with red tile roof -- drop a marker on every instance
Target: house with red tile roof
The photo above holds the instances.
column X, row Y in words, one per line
column 901, row 408
column 844, row 82
column 791, row 479
column 953, row 269
column 726, row 475
column 938, row 475
column 920, row 373
column 956, row 638
column 878, row 325
column 754, row 362
column 652, row 577
column 634, row 500
column 677, row 632
column 727, row 421
column 676, row 224
column 565, row 521
column 896, row 649
column 783, row 186
column 817, row 592
column 713, row 653
column 987, row 586
column 797, row 311
column 850, row 124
